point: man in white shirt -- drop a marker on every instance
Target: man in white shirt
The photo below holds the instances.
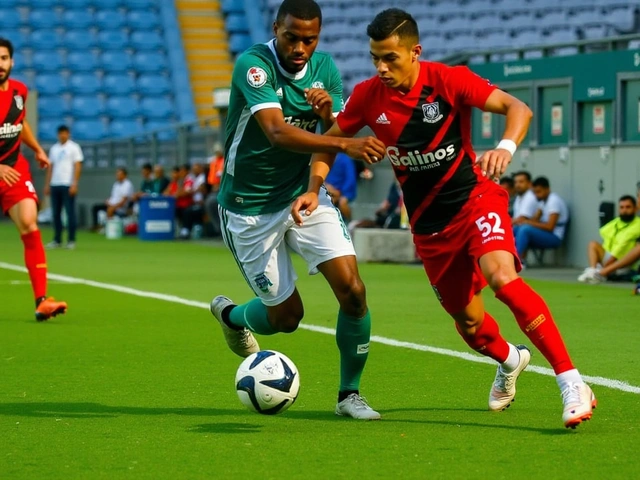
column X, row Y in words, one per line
column 547, row 227
column 526, row 204
column 122, row 194
column 61, row 184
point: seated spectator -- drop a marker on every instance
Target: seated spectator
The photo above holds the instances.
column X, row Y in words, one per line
column 172, row 186
column 506, row 182
column 525, row 203
column 546, row 229
column 180, row 187
column 122, row 194
column 216, row 167
column 160, row 181
column 387, row 215
column 194, row 213
column 620, row 237
column 341, row 184
column 146, row 186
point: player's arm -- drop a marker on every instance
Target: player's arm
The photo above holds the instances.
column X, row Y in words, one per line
column 548, row 226
column 77, row 170
column 47, row 178
column 30, row 141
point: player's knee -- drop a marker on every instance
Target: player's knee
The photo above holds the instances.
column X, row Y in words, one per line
column 26, row 228
column 353, row 298
column 467, row 326
column 289, row 322
column 501, row 274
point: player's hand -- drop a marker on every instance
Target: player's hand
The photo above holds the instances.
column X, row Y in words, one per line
column 494, row 162
column 9, row 175
column 42, row 159
column 73, row 190
column 369, row 149
column 306, row 203
column 321, row 102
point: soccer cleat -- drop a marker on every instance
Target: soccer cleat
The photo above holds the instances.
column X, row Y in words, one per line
column 355, row 406
column 52, row 245
column 49, row 308
column 241, row 342
column 70, row 246
column 503, row 390
column 586, row 274
column 579, row 402
column 592, row 277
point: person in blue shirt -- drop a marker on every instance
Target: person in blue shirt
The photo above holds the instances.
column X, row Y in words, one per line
column 341, row 184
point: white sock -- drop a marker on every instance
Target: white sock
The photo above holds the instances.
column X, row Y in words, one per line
column 512, row 361
column 570, row 376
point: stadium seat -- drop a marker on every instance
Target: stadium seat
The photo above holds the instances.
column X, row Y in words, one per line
column 19, row 39
column 116, row 61
column 77, row 19
column 146, row 41
column 48, row 129
column 43, row 19
column 50, row 84
column 110, row 4
column 622, row 18
column 143, row 20
column 78, row 4
column 84, row 61
column 46, row 40
column 87, row 106
column 153, row 85
column 110, row 20
column 53, row 106
column 47, row 61
column 157, row 107
column 123, row 107
column 10, row 18
column 233, row 6
column 148, row 62
column 239, row 42
column 119, row 84
column 113, row 39
column 164, row 132
column 89, row 130
column 44, row 4
column 141, row 4
column 84, row 83
column 80, row 39
column 236, row 23
column 125, row 128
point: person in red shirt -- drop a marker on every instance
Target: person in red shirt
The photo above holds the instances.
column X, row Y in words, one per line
column 457, row 212
column 18, row 197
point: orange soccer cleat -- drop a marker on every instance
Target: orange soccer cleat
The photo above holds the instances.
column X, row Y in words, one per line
column 48, row 308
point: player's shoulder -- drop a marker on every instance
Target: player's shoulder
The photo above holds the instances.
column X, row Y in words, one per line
column 368, row 86
column 322, row 58
column 258, row 53
column 18, row 86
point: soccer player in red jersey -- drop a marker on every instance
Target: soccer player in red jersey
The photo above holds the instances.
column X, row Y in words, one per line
column 18, row 197
column 458, row 214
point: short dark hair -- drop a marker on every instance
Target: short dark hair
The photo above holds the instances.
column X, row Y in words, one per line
column 507, row 179
column 524, row 173
column 301, row 9
column 63, row 128
column 541, row 182
column 185, row 166
column 175, row 169
column 393, row 21
column 147, row 166
column 6, row 43
column 123, row 170
column 628, row 198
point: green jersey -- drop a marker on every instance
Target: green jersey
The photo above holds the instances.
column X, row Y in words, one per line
column 259, row 178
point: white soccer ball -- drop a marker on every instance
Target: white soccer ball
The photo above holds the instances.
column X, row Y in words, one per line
column 267, row 382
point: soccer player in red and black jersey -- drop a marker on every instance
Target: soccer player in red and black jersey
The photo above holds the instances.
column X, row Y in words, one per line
column 18, row 197
column 458, row 214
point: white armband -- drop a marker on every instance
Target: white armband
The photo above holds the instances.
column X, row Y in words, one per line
column 508, row 145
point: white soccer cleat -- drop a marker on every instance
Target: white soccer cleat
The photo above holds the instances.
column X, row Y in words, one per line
column 503, row 390
column 241, row 342
column 355, row 406
column 579, row 402
column 592, row 277
column 588, row 272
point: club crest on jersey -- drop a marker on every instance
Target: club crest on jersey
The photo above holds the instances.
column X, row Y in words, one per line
column 263, row 282
column 256, row 77
column 19, row 102
column 317, row 85
column 431, row 112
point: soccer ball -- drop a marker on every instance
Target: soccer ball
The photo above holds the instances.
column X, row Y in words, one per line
column 267, row 382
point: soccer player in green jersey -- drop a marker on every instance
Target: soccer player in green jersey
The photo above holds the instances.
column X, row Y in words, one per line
column 281, row 92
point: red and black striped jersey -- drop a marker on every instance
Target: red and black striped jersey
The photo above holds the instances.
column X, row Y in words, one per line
column 427, row 132
column 12, row 113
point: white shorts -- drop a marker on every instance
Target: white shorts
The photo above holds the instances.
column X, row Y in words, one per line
column 261, row 246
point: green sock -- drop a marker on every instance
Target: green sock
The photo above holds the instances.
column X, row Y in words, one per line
column 252, row 315
column 352, row 337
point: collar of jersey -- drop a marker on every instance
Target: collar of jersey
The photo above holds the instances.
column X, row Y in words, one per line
column 293, row 76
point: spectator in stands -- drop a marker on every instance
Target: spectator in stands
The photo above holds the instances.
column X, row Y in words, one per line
column 160, row 181
column 525, row 204
column 122, row 193
column 341, row 184
column 546, row 229
column 506, row 182
column 216, row 167
column 619, row 236
column 61, row 183
column 174, row 183
column 146, row 186
column 194, row 213
column 387, row 215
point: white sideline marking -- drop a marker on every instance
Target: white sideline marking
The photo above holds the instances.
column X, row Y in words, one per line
column 601, row 381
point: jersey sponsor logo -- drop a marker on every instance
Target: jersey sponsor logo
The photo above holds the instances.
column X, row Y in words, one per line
column 317, row 85
column 263, row 283
column 308, row 125
column 19, row 102
column 256, row 77
column 9, row 130
column 431, row 112
column 423, row 161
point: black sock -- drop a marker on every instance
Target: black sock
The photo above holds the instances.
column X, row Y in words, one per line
column 346, row 393
column 225, row 318
column 39, row 301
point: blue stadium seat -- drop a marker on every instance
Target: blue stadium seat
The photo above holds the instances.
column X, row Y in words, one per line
column 77, row 19
column 125, row 128
column 154, row 85
column 239, row 42
column 52, row 106
column 146, row 40
column 46, row 40
column 232, row 6
column 143, row 20
column 116, row 61
column 164, row 134
column 119, row 84
column 85, row 83
column 236, row 23
column 10, row 18
column 110, row 4
column 110, row 20
column 123, row 107
column 78, row 4
column 79, row 39
column 48, row 128
column 150, row 62
column 83, row 61
column 87, row 106
column 19, row 39
column 141, row 4
column 50, row 84
column 157, row 107
column 43, row 3
column 113, row 39
column 47, row 61
column 89, row 130
column 43, row 19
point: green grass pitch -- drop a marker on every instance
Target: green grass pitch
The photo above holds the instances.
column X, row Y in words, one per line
column 125, row 386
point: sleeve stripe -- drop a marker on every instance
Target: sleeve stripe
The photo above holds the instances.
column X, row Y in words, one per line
column 263, row 106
